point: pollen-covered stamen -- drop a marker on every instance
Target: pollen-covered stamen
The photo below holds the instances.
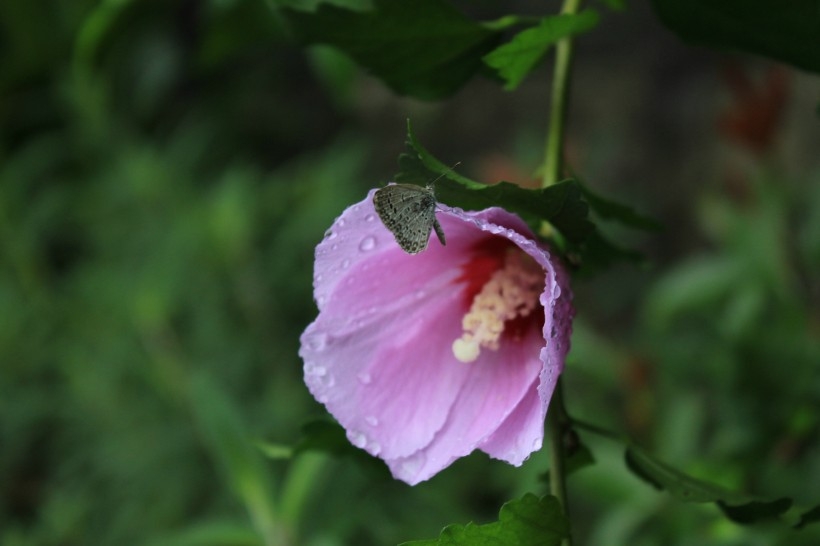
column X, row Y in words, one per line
column 511, row 292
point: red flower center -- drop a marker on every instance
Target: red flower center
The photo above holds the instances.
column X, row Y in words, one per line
column 503, row 285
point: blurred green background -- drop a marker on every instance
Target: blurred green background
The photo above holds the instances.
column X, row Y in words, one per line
column 166, row 168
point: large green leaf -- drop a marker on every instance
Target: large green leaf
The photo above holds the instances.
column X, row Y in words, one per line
column 528, row 521
column 422, row 48
column 562, row 204
column 786, row 31
column 515, row 59
column 737, row 506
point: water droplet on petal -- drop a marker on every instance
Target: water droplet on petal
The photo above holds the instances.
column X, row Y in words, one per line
column 556, row 292
column 374, row 449
column 411, row 465
column 368, row 243
column 334, row 247
column 340, row 222
column 372, row 420
column 330, row 234
column 345, row 263
column 317, row 341
column 315, row 370
column 370, row 217
column 364, row 378
column 356, row 438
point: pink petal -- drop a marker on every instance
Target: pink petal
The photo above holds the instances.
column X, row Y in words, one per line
column 496, row 385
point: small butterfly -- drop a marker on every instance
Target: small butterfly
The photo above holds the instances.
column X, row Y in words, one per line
column 409, row 212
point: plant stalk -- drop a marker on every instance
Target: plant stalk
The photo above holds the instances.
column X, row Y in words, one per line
column 557, row 419
column 554, row 148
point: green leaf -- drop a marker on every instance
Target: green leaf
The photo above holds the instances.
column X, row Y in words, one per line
column 786, row 31
column 597, row 253
column 738, row 507
column 515, row 59
column 561, row 204
column 810, row 516
column 422, row 48
column 329, row 437
column 528, row 521
column 326, row 436
column 618, row 212
column 575, row 458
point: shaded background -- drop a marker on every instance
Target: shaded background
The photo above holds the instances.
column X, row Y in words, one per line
column 166, row 168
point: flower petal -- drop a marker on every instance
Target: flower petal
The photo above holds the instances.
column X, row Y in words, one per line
column 379, row 354
column 497, row 383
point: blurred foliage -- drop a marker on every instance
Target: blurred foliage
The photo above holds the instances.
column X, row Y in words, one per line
column 166, row 168
column 786, row 32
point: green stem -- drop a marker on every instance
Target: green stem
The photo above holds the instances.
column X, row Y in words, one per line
column 553, row 153
column 557, row 419
column 557, row 422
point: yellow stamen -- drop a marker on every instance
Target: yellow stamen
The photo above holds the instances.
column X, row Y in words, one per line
column 511, row 292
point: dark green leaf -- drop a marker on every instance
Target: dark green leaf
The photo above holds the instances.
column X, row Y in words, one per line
column 515, row 59
column 562, row 204
column 810, row 516
column 580, row 457
column 738, row 507
column 618, row 212
column 423, row 48
column 786, row 31
column 329, row 437
column 528, row 521
column 326, row 436
column 753, row 511
column 597, row 253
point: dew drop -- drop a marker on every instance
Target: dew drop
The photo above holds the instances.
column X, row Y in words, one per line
column 364, row 378
column 374, row 449
column 556, row 292
column 372, row 420
column 368, row 243
column 334, row 247
column 327, row 380
column 358, row 439
column 370, row 217
column 345, row 263
column 330, row 234
column 317, row 342
column 411, row 465
column 340, row 222
column 314, row 370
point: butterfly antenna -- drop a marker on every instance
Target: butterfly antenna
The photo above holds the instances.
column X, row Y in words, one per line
column 439, row 177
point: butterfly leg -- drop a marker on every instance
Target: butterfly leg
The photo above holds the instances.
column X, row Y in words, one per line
column 439, row 232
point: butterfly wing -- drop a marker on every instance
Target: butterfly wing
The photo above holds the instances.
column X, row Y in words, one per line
column 409, row 212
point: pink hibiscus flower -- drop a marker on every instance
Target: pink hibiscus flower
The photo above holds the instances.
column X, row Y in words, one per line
column 424, row 358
